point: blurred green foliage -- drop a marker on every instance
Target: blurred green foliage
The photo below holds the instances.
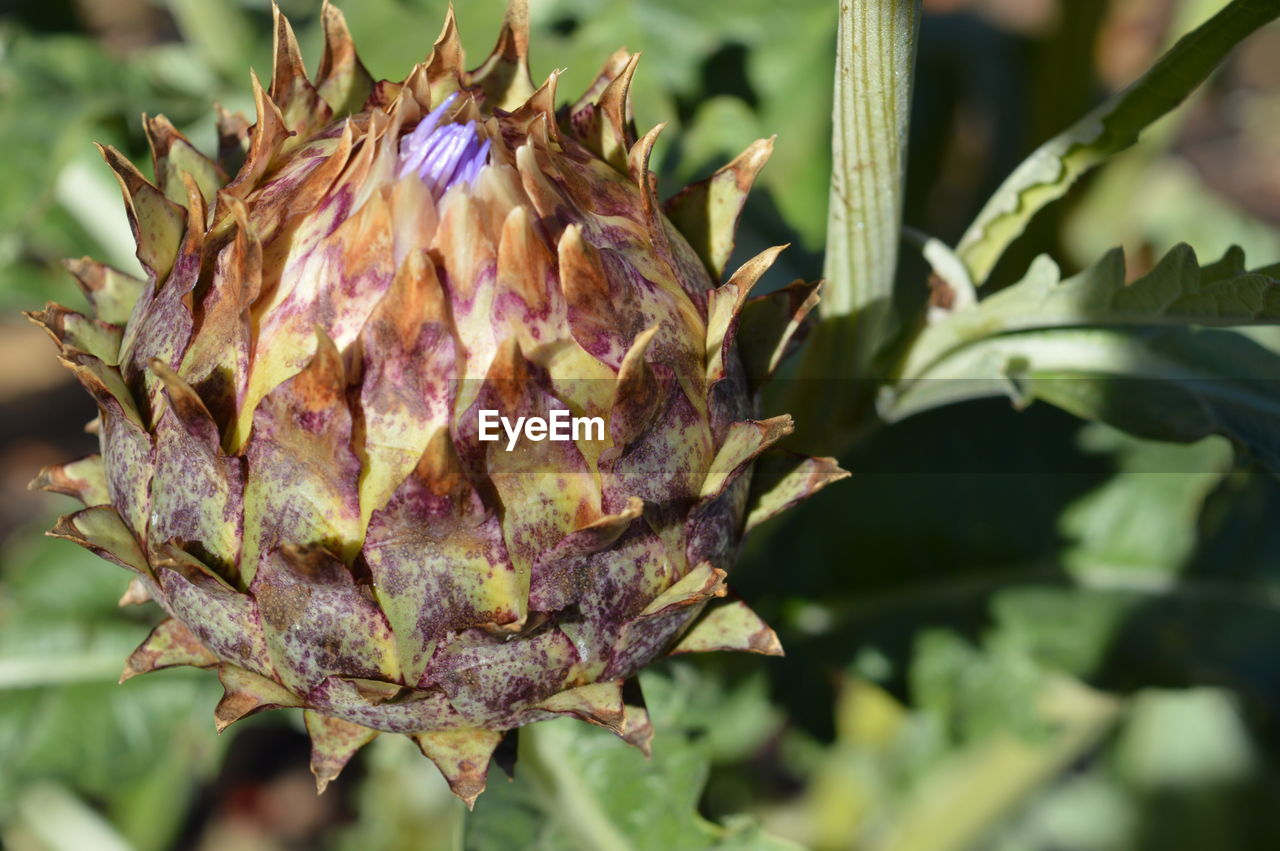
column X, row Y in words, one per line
column 1008, row 630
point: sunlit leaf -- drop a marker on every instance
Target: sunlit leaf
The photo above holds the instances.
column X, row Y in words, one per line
column 1178, row 291
column 1177, row 384
column 1115, row 125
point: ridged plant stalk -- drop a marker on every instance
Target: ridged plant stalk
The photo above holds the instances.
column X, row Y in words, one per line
column 875, row 65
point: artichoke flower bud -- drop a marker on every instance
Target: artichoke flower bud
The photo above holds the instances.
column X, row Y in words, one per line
column 297, row 405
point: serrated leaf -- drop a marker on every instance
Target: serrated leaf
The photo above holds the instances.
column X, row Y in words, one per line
column 1178, row 384
column 1050, row 171
column 1178, row 291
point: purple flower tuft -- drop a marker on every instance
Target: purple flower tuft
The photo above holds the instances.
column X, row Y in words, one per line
column 443, row 155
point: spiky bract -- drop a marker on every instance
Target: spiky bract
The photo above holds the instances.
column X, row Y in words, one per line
column 290, row 462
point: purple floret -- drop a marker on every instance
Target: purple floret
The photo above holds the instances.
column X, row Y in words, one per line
column 443, row 155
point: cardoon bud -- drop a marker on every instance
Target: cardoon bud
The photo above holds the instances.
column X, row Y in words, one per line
column 429, row 418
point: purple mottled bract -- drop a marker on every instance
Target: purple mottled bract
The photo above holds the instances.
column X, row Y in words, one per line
column 291, row 464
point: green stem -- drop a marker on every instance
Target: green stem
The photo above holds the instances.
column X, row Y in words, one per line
column 875, row 61
column 875, row 64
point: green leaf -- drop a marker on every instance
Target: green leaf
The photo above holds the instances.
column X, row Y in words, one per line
column 64, row 719
column 578, row 787
column 1064, row 629
column 1147, row 202
column 980, row 785
column 1178, row 384
column 1050, row 171
column 1130, row 538
column 986, row 728
column 1140, row 527
column 402, row 801
column 1191, row 754
column 219, row 33
column 1177, row 291
column 977, row 694
column 1184, row 739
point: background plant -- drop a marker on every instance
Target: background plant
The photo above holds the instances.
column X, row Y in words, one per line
column 1009, row 629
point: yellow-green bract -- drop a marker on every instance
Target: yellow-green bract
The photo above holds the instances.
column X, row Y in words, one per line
column 290, row 461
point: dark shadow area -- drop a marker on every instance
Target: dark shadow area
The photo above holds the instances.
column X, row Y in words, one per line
column 943, row 511
column 258, row 793
column 724, row 72
column 42, row 15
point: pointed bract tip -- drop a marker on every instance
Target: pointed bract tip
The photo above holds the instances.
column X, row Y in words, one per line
column 135, row 595
column 447, row 48
column 462, row 755
column 245, row 693
column 333, row 743
column 342, row 79
column 731, row 626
